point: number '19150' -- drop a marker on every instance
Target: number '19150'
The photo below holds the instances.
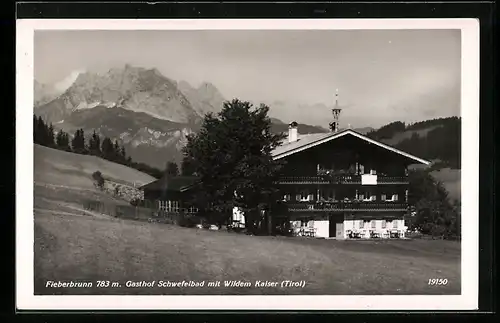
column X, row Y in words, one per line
column 438, row 281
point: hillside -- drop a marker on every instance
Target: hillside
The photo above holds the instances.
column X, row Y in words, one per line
column 60, row 168
column 438, row 139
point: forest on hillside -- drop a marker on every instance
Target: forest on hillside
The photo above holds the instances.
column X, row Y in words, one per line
column 44, row 134
column 442, row 143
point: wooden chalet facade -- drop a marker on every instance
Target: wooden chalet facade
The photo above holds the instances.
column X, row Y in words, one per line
column 334, row 185
column 171, row 194
column 343, row 184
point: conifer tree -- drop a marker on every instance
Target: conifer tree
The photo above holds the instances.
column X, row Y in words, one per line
column 172, row 169
column 95, row 144
column 50, row 136
column 62, row 141
column 41, row 132
column 107, row 149
column 116, row 151
column 123, row 155
column 78, row 142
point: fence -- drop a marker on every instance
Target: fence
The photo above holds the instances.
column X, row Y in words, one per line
column 139, row 213
column 119, row 211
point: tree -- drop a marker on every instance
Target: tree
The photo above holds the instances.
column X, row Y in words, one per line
column 187, row 168
column 62, row 141
column 435, row 214
column 36, row 134
column 116, row 151
column 41, row 137
column 95, row 144
column 123, row 156
column 107, row 149
column 98, row 179
column 172, row 169
column 50, row 136
column 78, row 142
column 231, row 155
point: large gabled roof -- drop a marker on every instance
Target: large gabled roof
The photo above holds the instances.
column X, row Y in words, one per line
column 171, row 183
column 312, row 140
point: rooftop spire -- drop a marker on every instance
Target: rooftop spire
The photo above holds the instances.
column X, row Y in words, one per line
column 336, row 98
column 334, row 125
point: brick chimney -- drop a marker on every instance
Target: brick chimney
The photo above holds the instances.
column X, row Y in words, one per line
column 292, row 132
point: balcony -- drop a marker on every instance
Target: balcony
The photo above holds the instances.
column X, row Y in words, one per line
column 344, row 179
column 348, row 206
column 325, row 179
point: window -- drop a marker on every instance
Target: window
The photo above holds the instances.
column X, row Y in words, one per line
column 286, row 197
column 374, row 224
column 360, row 224
column 383, row 197
column 373, row 172
column 395, row 224
column 384, row 224
column 305, row 196
column 366, row 196
column 366, row 223
column 169, row 206
column 395, row 197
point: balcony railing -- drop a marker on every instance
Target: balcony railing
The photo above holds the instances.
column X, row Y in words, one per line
column 381, row 179
column 347, row 206
column 335, row 179
column 340, row 179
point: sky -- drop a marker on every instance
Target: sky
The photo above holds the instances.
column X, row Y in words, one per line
column 380, row 74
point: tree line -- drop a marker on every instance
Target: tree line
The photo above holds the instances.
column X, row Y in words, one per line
column 45, row 135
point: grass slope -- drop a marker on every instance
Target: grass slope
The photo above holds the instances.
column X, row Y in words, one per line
column 62, row 168
column 86, row 249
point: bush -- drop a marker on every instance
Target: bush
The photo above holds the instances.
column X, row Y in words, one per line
column 98, row 179
column 140, row 202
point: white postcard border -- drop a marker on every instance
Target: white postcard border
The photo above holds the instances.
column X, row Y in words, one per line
column 25, row 297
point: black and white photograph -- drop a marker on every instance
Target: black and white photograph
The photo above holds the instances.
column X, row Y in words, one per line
column 272, row 161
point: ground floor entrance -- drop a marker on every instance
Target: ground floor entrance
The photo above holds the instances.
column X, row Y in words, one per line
column 336, row 225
